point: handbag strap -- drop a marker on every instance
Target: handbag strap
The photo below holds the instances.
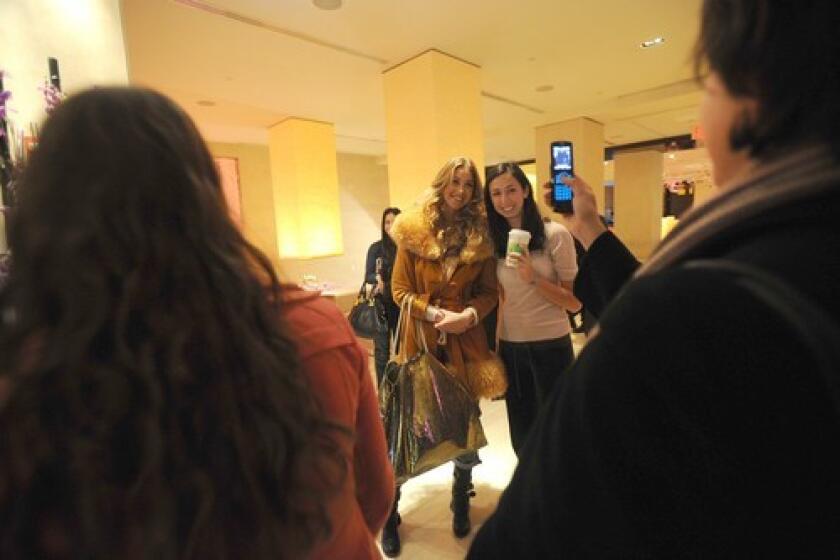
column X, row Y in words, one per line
column 397, row 339
column 420, row 335
column 362, row 291
column 813, row 325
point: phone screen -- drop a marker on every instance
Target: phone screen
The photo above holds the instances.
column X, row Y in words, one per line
column 562, row 167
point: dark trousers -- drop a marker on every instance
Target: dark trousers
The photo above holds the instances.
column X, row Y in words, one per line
column 532, row 369
column 381, row 353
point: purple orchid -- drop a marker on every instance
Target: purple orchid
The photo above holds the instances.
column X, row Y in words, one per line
column 52, row 97
column 4, row 97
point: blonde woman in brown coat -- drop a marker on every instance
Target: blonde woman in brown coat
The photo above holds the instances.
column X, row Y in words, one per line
column 445, row 263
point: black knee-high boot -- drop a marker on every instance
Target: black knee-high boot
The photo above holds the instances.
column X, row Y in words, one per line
column 390, row 537
column 462, row 491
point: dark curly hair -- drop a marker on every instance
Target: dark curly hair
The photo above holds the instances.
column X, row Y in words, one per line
column 155, row 406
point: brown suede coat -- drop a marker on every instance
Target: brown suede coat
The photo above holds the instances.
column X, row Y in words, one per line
column 418, row 270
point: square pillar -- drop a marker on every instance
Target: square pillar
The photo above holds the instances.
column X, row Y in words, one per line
column 432, row 114
column 638, row 200
column 304, row 180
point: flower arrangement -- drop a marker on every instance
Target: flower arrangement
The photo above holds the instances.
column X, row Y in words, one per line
column 6, row 166
column 4, row 98
column 6, row 162
column 52, row 97
column 15, row 144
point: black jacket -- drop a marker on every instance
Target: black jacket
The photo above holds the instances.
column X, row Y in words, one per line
column 693, row 424
column 376, row 251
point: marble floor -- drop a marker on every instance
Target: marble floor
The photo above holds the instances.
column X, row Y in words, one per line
column 426, row 530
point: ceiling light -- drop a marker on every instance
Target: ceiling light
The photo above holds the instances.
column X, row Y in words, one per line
column 655, row 42
column 544, row 88
column 206, row 103
column 327, row 4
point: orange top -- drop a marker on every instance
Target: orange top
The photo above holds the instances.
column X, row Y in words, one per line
column 337, row 368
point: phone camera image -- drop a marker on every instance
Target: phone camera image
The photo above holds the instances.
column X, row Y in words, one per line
column 562, row 156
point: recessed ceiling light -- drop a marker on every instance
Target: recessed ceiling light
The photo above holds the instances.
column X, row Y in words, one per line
column 655, row 42
column 206, row 103
column 544, row 88
column 327, row 4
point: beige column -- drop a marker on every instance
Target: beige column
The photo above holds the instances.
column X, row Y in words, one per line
column 638, row 200
column 587, row 138
column 432, row 114
column 304, row 180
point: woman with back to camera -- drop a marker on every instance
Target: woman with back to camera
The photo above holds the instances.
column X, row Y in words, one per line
column 162, row 395
column 378, row 267
column 725, row 443
column 535, row 341
column 445, row 264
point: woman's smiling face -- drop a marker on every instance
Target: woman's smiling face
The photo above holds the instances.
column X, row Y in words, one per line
column 508, row 196
column 459, row 191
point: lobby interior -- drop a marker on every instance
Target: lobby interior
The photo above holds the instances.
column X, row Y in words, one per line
column 321, row 113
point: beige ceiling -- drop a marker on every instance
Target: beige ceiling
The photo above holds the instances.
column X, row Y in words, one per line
column 262, row 60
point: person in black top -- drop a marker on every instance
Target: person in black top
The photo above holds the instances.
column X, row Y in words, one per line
column 378, row 267
column 702, row 418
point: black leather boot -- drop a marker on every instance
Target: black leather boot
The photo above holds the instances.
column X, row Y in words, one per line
column 462, row 491
column 390, row 537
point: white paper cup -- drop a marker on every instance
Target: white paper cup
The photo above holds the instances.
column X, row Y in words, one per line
column 518, row 240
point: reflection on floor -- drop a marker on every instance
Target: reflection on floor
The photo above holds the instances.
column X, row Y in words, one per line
column 426, row 530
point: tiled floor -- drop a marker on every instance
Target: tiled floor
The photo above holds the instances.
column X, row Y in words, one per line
column 426, row 530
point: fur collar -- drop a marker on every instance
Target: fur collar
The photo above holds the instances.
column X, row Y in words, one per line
column 412, row 233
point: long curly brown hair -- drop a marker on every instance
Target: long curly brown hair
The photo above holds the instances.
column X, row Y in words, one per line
column 156, row 408
column 470, row 222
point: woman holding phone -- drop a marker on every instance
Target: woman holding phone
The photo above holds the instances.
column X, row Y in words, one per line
column 534, row 331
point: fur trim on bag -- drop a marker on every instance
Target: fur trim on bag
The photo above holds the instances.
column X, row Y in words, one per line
column 411, row 232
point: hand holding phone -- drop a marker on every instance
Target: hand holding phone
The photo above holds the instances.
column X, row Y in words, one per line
column 585, row 224
column 562, row 168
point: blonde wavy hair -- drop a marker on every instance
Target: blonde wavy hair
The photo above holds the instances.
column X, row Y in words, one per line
column 470, row 223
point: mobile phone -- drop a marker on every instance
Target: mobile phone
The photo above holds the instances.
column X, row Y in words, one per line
column 562, row 167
